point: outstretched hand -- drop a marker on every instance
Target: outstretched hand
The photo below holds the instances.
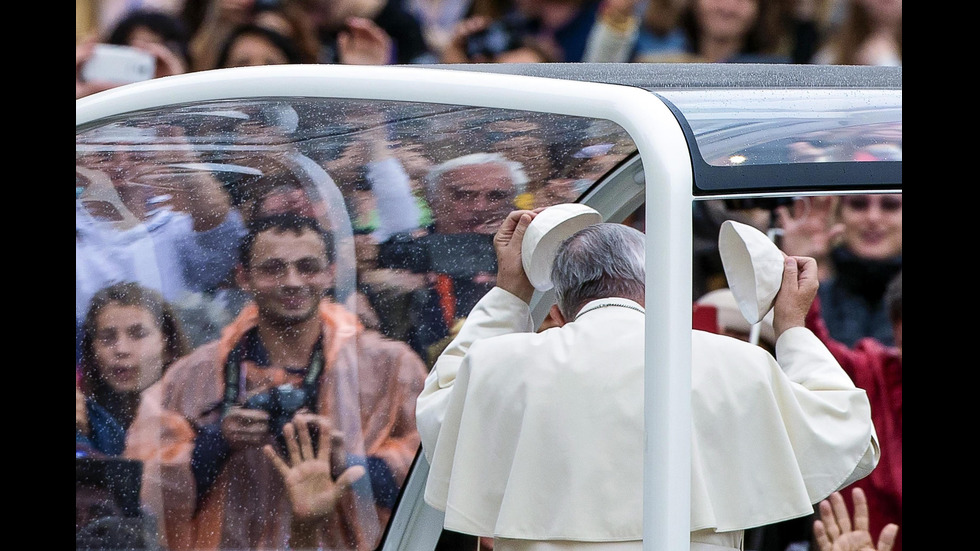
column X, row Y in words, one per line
column 834, row 531
column 363, row 42
column 308, row 476
column 809, row 228
column 455, row 49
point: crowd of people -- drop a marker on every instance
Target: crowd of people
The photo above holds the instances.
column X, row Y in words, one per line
column 272, row 323
column 194, row 35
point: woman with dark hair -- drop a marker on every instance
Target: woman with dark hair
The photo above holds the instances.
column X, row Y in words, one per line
column 869, row 34
column 145, row 26
column 129, row 337
column 734, row 30
column 288, row 17
column 218, row 19
column 250, row 44
column 702, row 31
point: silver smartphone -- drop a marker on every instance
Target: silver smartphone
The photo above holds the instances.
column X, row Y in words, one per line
column 119, row 64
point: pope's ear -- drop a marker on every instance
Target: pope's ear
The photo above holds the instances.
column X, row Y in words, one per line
column 556, row 317
column 553, row 319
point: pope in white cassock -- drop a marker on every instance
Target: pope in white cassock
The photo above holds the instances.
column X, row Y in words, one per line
column 536, row 438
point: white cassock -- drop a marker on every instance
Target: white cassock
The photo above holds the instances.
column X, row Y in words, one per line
column 538, row 437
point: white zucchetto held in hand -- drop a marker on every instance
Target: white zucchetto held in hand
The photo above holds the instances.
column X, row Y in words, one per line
column 548, row 229
column 753, row 266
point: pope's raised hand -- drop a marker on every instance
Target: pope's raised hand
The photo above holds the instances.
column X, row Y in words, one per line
column 507, row 244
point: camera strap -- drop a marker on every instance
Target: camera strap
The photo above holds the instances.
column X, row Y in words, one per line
column 233, row 372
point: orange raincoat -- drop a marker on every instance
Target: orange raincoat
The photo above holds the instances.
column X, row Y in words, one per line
column 368, row 387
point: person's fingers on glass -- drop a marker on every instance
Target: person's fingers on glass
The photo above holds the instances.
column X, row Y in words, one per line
column 308, row 475
column 245, row 427
column 886, row 540
column 860, row 510
column 298, row 451
column 862, row 525
column 834, row 530
column 281, row 466
column 823, row 528
column 338, row 452
column 839, row 509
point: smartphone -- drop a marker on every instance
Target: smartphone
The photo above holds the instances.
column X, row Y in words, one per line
column 119, row 64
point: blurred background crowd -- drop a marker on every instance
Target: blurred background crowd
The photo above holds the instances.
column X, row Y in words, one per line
column 194, row 35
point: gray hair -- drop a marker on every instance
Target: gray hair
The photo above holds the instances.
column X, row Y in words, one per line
column 600, row 261
column 516, row 170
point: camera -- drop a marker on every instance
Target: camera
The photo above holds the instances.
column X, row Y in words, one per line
column 503, row 35
column 456, row 254
column 403, row 251
column 281, row 403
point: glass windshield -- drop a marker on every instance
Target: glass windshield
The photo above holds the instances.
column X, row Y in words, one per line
column 211, row 237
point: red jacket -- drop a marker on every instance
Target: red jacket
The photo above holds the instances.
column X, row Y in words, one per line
column 877, row 369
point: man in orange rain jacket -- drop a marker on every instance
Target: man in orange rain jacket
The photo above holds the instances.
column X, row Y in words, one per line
column 290, row 353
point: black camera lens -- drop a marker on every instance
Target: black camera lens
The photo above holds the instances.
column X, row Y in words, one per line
column 280, row 403
column 404, row 252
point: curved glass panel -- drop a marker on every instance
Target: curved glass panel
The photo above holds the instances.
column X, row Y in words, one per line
column 743, row 127
column 408, row 197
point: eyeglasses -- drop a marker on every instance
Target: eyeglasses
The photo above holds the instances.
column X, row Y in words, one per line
column 863, row 203
column 277, row 267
